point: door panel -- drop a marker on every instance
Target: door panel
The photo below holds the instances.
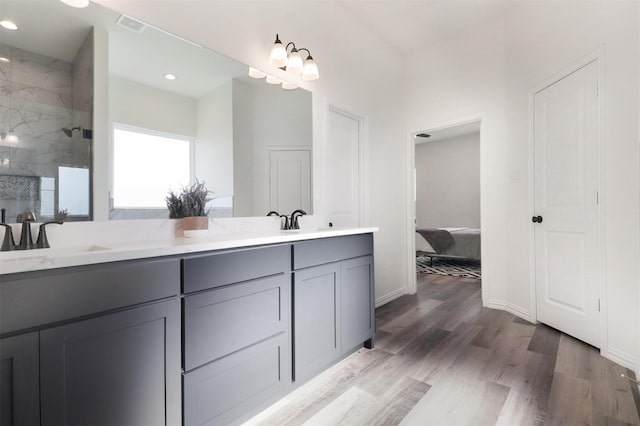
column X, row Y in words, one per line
column 290, row 180
column 20, row 380
column 343, row 151
column 567, row 269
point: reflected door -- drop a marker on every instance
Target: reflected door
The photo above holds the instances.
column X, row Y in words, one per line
column 290, row 180
column 567, row 269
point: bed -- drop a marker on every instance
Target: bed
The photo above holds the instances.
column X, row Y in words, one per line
column 461, row 243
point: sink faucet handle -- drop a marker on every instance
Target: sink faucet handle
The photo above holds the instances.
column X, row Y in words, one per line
column 8, row 243
column 43, row 242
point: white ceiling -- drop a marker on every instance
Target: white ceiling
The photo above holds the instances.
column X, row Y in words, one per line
column 410, row 25
column 449, row 132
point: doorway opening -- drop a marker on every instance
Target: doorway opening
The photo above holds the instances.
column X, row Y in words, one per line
column 445, row 201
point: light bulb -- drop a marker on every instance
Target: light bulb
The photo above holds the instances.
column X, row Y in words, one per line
column 76, row 3
column 289, row 86
column 310, row 70
column 278, row 54
column 273, row 80
column 294, row 63
column 256, row 73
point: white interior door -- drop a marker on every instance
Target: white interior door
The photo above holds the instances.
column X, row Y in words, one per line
column 567, row 264
column 289, row 180
column 343, row 159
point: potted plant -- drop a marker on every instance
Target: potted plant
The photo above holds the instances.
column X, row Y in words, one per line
column 190, row 206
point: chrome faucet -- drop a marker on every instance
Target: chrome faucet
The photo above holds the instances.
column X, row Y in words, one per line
column 294, row 224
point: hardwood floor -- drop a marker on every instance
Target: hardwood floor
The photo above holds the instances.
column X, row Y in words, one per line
column 440, row 358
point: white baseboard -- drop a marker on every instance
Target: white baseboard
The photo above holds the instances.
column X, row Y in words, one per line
column 391, row 296
column 511, row 308
column 624, row 359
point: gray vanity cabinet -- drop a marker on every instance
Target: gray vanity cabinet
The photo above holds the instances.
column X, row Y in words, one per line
column 236, row 312
column 95, row 344
column 19, row 380
column 117, row 369
column 316, row 301
column 333, row 296
column 357, row 303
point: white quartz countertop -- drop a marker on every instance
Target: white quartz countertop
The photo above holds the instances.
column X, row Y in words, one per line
column 42, row 259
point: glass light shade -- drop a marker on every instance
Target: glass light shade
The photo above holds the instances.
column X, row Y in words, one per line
column 256, row 73
column 76, row 3
column 273, row 80
column 310, row 70
column 4, row 59
column 278, row 55
column 286, row 85
column 294, row 63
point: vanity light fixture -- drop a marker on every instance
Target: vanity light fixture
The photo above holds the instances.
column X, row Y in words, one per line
column 273, row 80
column 289, row 86
column 8, row 25
column 170, row 76
column 291, row 61
column 256, row 73
column 76, row 3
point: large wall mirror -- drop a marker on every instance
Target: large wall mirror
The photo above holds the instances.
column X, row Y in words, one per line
column 249, row 141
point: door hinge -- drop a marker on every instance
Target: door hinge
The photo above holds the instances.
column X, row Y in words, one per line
column 598, row 304
column 597, row 197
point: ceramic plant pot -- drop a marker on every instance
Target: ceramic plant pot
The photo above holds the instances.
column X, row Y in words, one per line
column 195, row 226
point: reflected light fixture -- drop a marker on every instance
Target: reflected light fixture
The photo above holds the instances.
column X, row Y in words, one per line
column 4, row 59
column 76, row 3
column 286, row 85
column 291, row 60
column 8, row 25
column 256, row 73
column 273, row 80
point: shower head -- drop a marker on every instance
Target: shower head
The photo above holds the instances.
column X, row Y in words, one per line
column 69, row 132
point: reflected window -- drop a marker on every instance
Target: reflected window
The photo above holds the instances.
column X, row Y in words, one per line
column 73, row 196
column 146, row 165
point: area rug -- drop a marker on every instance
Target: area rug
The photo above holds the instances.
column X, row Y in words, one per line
column 446, row 266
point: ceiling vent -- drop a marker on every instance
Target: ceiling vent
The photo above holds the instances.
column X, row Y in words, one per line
column 131, row 24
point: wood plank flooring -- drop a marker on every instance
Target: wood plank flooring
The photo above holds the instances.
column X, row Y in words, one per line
column 440, row 358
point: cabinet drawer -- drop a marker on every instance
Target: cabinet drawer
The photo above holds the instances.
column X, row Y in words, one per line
column 326, row 250
column 33, row 299
column 218, row 269
column 233, row 388
column 221, row 321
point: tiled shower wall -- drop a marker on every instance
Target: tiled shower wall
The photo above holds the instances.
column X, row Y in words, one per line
column 37, row 98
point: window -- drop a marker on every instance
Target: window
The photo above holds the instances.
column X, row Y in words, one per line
column 73, row 195
column 147, row 165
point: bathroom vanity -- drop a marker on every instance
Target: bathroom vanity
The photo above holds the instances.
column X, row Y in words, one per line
column 201, row 332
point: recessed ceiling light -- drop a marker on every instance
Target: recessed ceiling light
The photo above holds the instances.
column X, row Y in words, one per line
column 8, row 25
column 170, row 76
column 76, row 3
column 4, row 59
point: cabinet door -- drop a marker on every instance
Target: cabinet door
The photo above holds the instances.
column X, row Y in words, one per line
column 316, row 299
column 19, row 380
column 118, row 369
column 357, row 308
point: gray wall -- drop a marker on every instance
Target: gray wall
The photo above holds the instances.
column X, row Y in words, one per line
column 448, row 183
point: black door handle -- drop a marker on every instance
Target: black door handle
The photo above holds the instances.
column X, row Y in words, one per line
column 536, row 219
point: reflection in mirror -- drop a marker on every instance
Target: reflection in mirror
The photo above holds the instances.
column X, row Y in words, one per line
column 249, row 141
column 46, row 107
